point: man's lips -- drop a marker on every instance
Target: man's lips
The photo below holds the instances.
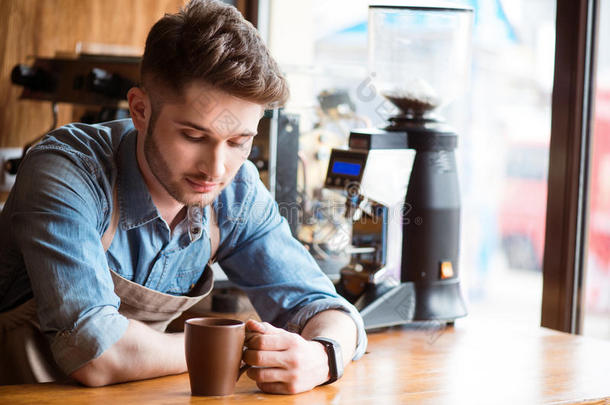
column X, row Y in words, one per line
column 202, row 186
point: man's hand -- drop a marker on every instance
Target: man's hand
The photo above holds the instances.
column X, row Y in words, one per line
column 283, row 362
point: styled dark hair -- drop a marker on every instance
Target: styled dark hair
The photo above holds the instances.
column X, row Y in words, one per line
column 211, row 41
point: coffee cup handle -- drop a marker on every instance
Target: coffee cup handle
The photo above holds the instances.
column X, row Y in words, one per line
column 242, row 369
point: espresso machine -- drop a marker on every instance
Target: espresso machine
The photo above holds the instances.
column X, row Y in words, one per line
column 405, row 173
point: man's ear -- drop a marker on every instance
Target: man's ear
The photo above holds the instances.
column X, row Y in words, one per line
column 139, row 108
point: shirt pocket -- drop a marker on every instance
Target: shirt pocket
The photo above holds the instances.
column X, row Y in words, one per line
column 185, row 279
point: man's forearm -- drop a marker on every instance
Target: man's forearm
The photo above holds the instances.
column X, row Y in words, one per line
column 140, row 353
column 336, row 325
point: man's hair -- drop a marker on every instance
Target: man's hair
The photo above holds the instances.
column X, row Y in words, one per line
column 211, row 42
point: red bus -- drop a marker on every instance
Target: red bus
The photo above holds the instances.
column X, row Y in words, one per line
column 523, row 208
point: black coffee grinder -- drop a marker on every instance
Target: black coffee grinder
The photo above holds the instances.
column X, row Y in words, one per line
column 419, row 61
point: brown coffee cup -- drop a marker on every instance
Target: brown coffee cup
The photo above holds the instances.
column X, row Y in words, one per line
column 214, row 348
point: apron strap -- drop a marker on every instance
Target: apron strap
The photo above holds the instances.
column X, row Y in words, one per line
column 214, row 235
column 108, row 236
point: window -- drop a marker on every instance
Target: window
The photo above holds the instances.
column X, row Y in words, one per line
column 596, row 320
column 503, row 123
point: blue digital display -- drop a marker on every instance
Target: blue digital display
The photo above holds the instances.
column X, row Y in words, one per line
column 349, row 169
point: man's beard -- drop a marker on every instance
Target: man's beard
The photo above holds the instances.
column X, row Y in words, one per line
column 160, row 168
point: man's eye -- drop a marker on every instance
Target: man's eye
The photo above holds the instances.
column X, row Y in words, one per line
column 239, row 144
column 191, row 138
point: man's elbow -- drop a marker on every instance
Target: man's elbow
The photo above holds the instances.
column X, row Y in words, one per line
column 93, row 374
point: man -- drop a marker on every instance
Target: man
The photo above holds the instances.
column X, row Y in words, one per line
column 108, row 228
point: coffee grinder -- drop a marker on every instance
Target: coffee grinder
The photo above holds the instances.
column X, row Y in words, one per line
column 419, row 59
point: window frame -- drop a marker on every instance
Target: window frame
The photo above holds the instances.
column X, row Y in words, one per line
column 569, row 165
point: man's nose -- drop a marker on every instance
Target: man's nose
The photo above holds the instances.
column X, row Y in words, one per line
column 213, row 162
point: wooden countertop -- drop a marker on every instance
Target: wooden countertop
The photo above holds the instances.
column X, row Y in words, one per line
column 475, row 362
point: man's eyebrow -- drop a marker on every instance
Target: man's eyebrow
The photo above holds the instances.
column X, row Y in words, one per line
column 206, row 130
column 193, row 125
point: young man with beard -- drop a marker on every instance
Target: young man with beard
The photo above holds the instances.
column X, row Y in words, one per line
column 108, row 229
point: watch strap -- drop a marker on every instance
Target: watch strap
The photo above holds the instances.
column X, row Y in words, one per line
column 335, row 359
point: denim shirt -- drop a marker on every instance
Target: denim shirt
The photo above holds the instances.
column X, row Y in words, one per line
column 61, row 204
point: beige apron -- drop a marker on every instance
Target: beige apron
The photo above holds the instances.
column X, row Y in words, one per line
column 25, row 354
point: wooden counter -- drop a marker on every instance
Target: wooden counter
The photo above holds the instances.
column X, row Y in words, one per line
column 474, row 362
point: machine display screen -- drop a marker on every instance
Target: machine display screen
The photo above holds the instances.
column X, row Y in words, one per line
column 345, row 168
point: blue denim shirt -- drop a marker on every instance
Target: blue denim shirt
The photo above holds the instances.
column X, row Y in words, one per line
column 60, row 206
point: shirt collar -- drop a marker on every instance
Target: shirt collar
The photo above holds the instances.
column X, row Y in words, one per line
column 135, row 203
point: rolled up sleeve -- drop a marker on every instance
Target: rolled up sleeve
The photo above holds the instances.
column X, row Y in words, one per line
column 61, row 211
column 305, row 313
column 94, row 332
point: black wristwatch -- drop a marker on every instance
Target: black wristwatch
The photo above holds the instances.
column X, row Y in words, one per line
column 335, row 359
